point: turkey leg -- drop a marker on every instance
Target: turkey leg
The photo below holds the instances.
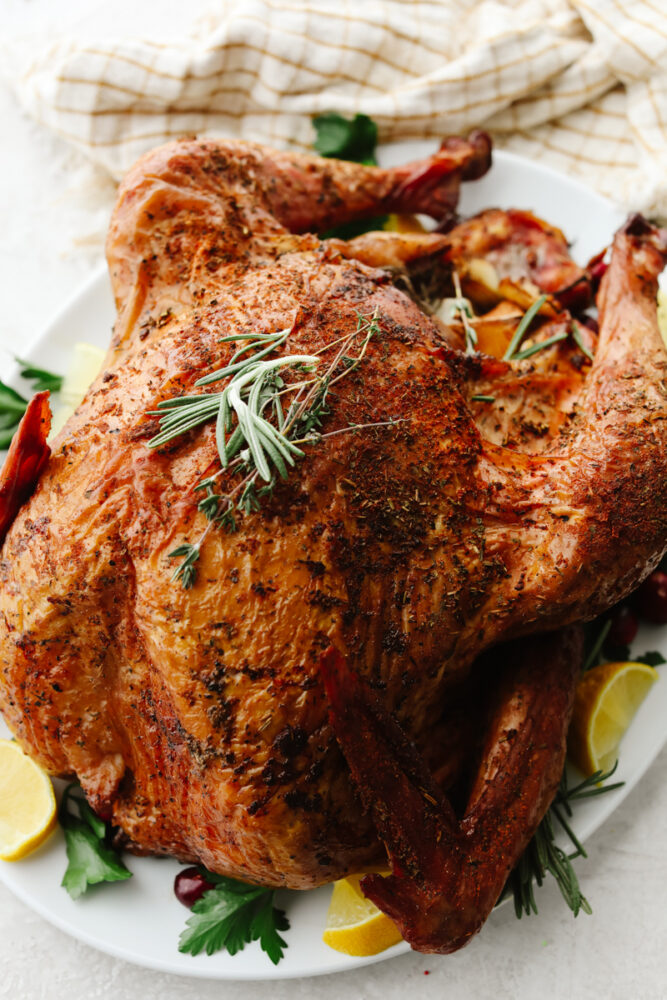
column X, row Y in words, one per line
column 447, row 874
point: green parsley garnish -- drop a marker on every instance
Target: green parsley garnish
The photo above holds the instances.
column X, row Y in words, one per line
column 91, row 858
column 346, row 138
column 231, row 915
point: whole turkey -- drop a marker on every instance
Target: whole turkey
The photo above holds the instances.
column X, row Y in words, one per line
column 441, row 502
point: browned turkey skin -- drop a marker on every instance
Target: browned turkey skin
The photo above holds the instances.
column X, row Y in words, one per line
column 197, row 719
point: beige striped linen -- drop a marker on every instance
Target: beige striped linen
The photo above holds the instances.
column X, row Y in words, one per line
column 581, row 85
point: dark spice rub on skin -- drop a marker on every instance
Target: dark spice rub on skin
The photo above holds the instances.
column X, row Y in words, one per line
column 198, row 718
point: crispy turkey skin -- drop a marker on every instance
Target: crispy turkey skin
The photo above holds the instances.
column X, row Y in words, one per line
column 197, row 719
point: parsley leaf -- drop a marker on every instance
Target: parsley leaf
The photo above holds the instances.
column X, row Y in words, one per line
column 231, row 915
column 266, row 923
column 90, row 857
column 346, row 139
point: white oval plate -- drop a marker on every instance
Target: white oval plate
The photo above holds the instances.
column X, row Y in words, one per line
column 140, row 920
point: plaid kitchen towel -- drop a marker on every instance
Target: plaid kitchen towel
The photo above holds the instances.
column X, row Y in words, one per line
column 579, row 84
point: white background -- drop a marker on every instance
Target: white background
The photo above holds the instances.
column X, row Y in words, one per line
column 53, row 212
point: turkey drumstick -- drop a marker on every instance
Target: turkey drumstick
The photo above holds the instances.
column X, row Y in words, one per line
column 447, row 874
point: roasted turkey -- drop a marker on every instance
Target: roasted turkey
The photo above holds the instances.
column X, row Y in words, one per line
column 447, row 502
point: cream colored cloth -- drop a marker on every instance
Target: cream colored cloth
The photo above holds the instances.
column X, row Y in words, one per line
column 581, row 85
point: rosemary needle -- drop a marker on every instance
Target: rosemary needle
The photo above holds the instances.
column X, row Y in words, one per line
column 576, row 334
column 543, row 856
column 541, row 346
column 520, row 331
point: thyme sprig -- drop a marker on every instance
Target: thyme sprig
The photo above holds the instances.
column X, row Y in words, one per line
column 253, row 432
column 543, row 855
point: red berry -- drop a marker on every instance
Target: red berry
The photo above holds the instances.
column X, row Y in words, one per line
column 650, row 599
column 624, row 626
column 189, row 886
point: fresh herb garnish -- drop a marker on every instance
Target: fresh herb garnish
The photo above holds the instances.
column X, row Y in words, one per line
column 651, row 659
column 462, row 306
column 91, row 858
column 576, row 336
column 185, row 571
column 257, row 431
column 42, row 380
column 352, row 139
column 12, row 408
column 596, row 634
column 481, row 398
column 346, row 138
column 231, row 915
column 521, row 329
column 598, row 650
column 543, row 856
column 13, row 405
column 541, row 346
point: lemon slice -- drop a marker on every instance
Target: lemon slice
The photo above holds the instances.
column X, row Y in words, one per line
column 354, row 925
column 27, row 803
column 605, row 704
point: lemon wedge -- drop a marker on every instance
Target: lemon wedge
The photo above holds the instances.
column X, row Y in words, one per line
column 84, row 367
column 354, row 925
column 403, row 224
column 27, row 803
column 605, row 704
column 662, row 312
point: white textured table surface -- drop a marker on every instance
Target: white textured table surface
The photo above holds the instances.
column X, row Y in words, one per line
column 52, row 227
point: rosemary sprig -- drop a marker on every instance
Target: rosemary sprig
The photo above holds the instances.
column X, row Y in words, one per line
column 42, row 380
column 252, row 430
column 521, row 329
column 593, row 655
column 464, row 311
column 543, row 856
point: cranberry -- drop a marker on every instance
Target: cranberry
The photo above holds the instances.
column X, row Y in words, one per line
column 189, row 886
column 624, row 626
column 650, row 599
